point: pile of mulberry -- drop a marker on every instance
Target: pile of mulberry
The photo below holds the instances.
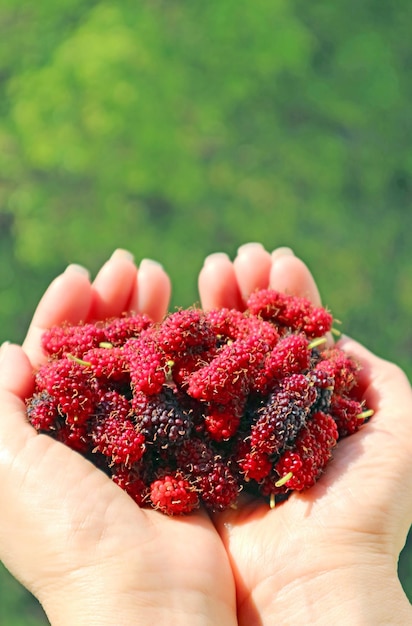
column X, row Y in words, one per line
column 189, row 412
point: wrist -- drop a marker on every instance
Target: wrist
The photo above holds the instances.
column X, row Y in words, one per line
column 89, row 597
column 364, row 591
column 106, row 598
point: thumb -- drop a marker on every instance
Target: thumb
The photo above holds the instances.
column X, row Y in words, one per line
column 16, row 384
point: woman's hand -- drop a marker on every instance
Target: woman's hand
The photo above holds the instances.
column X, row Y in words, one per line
column 76, row 540
column 328, row 555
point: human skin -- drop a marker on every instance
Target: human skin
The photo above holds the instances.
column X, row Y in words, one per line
column 90, row 555
column 328, row 555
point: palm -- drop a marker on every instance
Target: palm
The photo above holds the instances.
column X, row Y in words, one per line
column 312, row 532
column 89, row 521
column 71, row 514
column 331, row 523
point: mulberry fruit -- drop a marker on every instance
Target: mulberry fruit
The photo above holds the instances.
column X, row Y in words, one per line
column 188, row 412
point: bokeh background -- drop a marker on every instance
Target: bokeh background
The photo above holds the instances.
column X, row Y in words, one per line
column 177, row 128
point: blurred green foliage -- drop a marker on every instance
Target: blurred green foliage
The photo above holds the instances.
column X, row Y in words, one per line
column 176, row 129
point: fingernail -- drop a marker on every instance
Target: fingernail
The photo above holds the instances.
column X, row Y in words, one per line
column 216, row 256
column 149, row 263
column 281, row 252
column 251, row 245
column 80, row 269
column 3, row 350
column 120, row 253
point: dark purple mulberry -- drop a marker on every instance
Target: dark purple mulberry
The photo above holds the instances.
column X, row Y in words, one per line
column 163, row 419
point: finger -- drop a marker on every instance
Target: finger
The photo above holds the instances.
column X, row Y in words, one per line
column 290, row 274
column 252, row 267
column 383, row 383
column 387, row 438
column 152, row 291
column 16, row 384
column 67, row 299
column 113, row 286
column 218, row 285
column 387, row 391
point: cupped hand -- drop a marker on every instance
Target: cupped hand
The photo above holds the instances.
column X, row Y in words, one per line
column 67, row 532
column 328, row 554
